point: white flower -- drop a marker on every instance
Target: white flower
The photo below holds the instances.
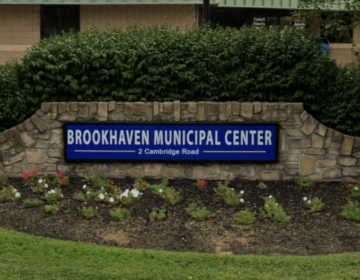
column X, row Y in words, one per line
column 62, row 196
column 160, row 190
column 17, row 195
column 309, row 201
column 277, row 204
column 46, row 185
column 242, row 200
column 14, row 190
column 40, row 181
column 270, row 196
column 84, row 187
column 134, row 192
column 356, row 188
column 305, row 198
column 125, row 194
column 232, row 189
column 111, row 200
column 101, row 196
column 52, row 191
column 87, row 192
column 97, row 207
column 49, row 192
column 241, row 192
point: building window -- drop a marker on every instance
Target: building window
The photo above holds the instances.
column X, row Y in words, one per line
column 58, row 18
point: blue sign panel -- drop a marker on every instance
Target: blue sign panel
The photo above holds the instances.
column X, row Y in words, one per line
column 234, row 142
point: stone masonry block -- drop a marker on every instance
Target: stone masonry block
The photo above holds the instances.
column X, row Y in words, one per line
column 235, row 108
column 46, row 107
column 247, row 110
column 212, row 108
column 139, row 109
column 4, row 137
column 27, row 139
column 168, row 107
column 222, row 113
column 102, row 113
column 257, row 107
column 112, row 106
column 38, row 123
column 35, row 156
column 149, row 111
column 16, row 140
column 54, row 110
column 201, row 111
column 177, row 111
column 29, row 125
column 307, row 165
column 309, row 126
column 347, row 146
column 192, row 107
column 93, row 109
column 84, row 109
column 347, row 161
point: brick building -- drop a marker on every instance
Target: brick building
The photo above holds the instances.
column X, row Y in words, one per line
column 25, row 22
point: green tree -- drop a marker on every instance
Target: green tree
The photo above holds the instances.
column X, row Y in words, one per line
column 337, row 18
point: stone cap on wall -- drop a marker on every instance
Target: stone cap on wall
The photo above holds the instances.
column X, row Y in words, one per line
column 306, row 147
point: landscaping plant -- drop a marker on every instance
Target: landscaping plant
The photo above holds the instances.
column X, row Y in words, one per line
column 351, row 211
column 89, row 212
column 97, row 182
column 53, row 195
column 304, row 183
column 261, row 186
column 230, row 196
column 199, row 213
column 200, row 185
column 120, row 214
column 355, row 190
column 162, row 64
column 51, row 209
column 245, row 217
column 274, row 211
column 29, row 203
column 9, row 194
column 314, row 204
column 158, row 215
column 3, row 180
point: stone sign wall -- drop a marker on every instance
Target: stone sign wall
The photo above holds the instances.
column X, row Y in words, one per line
column 306, row 147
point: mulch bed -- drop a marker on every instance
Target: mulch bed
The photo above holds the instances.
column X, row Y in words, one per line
column 307, row 233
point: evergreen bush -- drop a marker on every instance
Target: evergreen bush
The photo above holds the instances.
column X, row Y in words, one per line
column 165, row 64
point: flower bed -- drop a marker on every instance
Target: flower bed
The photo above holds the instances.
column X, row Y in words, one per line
column 231, row 216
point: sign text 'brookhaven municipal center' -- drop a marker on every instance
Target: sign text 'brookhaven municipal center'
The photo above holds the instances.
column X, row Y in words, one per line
column 170, row 142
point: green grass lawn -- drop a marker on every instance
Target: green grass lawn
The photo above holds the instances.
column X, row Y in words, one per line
column 27, row 257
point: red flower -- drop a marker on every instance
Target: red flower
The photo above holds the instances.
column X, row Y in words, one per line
column 202, row 183
column 35, row 172
column 62, row 181
column 351, row 185
column 59, row 174
column 142, row 185
column 25, row 176
column 29, row 173
column 112, row 182
column 233, row 179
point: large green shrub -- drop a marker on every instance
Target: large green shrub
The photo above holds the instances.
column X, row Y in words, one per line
column 164, row 64
column 14, row 102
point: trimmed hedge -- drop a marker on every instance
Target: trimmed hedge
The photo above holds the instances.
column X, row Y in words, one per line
column 164, row 64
